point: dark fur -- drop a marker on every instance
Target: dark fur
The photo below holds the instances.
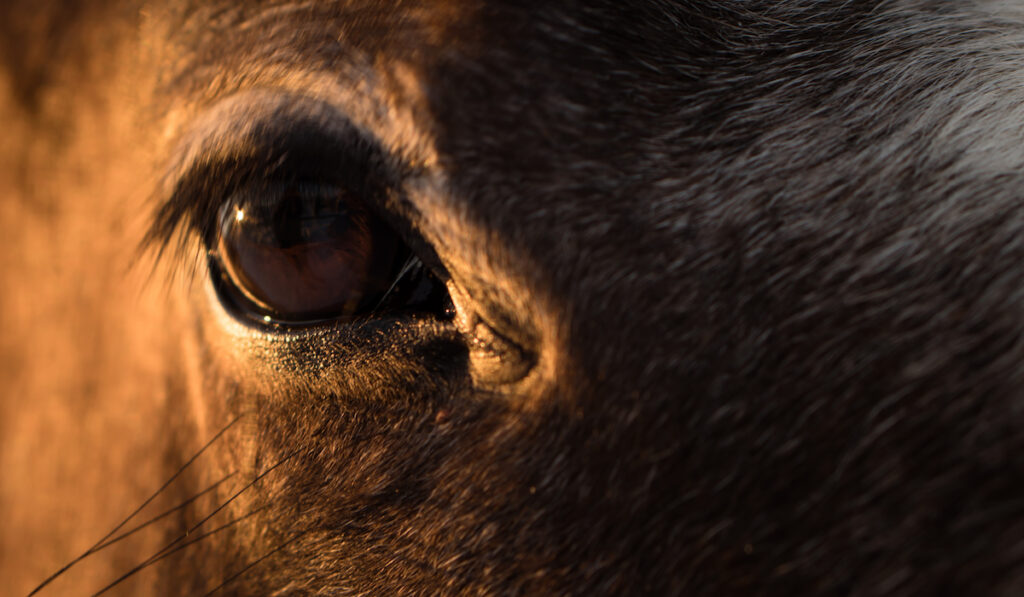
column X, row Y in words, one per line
column 740, row 290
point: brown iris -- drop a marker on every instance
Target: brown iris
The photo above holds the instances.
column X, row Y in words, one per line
column 305, row 252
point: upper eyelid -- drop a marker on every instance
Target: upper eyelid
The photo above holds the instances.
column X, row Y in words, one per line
column 262, row 135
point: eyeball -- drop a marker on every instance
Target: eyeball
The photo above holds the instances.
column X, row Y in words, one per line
column 298, row 252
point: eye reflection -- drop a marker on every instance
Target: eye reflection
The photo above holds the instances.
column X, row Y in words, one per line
column 302, row 252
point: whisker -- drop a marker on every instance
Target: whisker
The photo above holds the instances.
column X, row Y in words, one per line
column 98, row 545
column 173, row 477
column 163, row 554
column 173, row 546
column 164, row 514
column 255, row 563
column 244, row 488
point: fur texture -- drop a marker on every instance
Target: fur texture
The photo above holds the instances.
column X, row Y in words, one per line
column 738, row 292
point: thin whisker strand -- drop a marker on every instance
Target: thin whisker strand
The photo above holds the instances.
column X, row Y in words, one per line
column 254, row 563
column 165, row 513
column 173, row 546
column 99, row 544
column 165, row 553
column 171, row 480
column 231, row 499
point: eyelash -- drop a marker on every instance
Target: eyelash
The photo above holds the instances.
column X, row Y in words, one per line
column 281, row 151
column 186, row 226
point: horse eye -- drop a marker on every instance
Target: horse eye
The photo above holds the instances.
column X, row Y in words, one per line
column 308, row 252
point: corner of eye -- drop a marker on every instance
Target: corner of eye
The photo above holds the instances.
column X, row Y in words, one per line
column 495, row 360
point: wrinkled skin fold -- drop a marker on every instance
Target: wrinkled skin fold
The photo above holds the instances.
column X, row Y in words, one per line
column 736, row 296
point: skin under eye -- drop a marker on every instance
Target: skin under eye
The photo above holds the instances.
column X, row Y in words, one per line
column 299, row 252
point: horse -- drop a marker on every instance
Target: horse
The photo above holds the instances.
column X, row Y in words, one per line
column 580, row 298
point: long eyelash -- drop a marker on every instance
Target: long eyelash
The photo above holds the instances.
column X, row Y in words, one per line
column 172, row 239
column 184, row 227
